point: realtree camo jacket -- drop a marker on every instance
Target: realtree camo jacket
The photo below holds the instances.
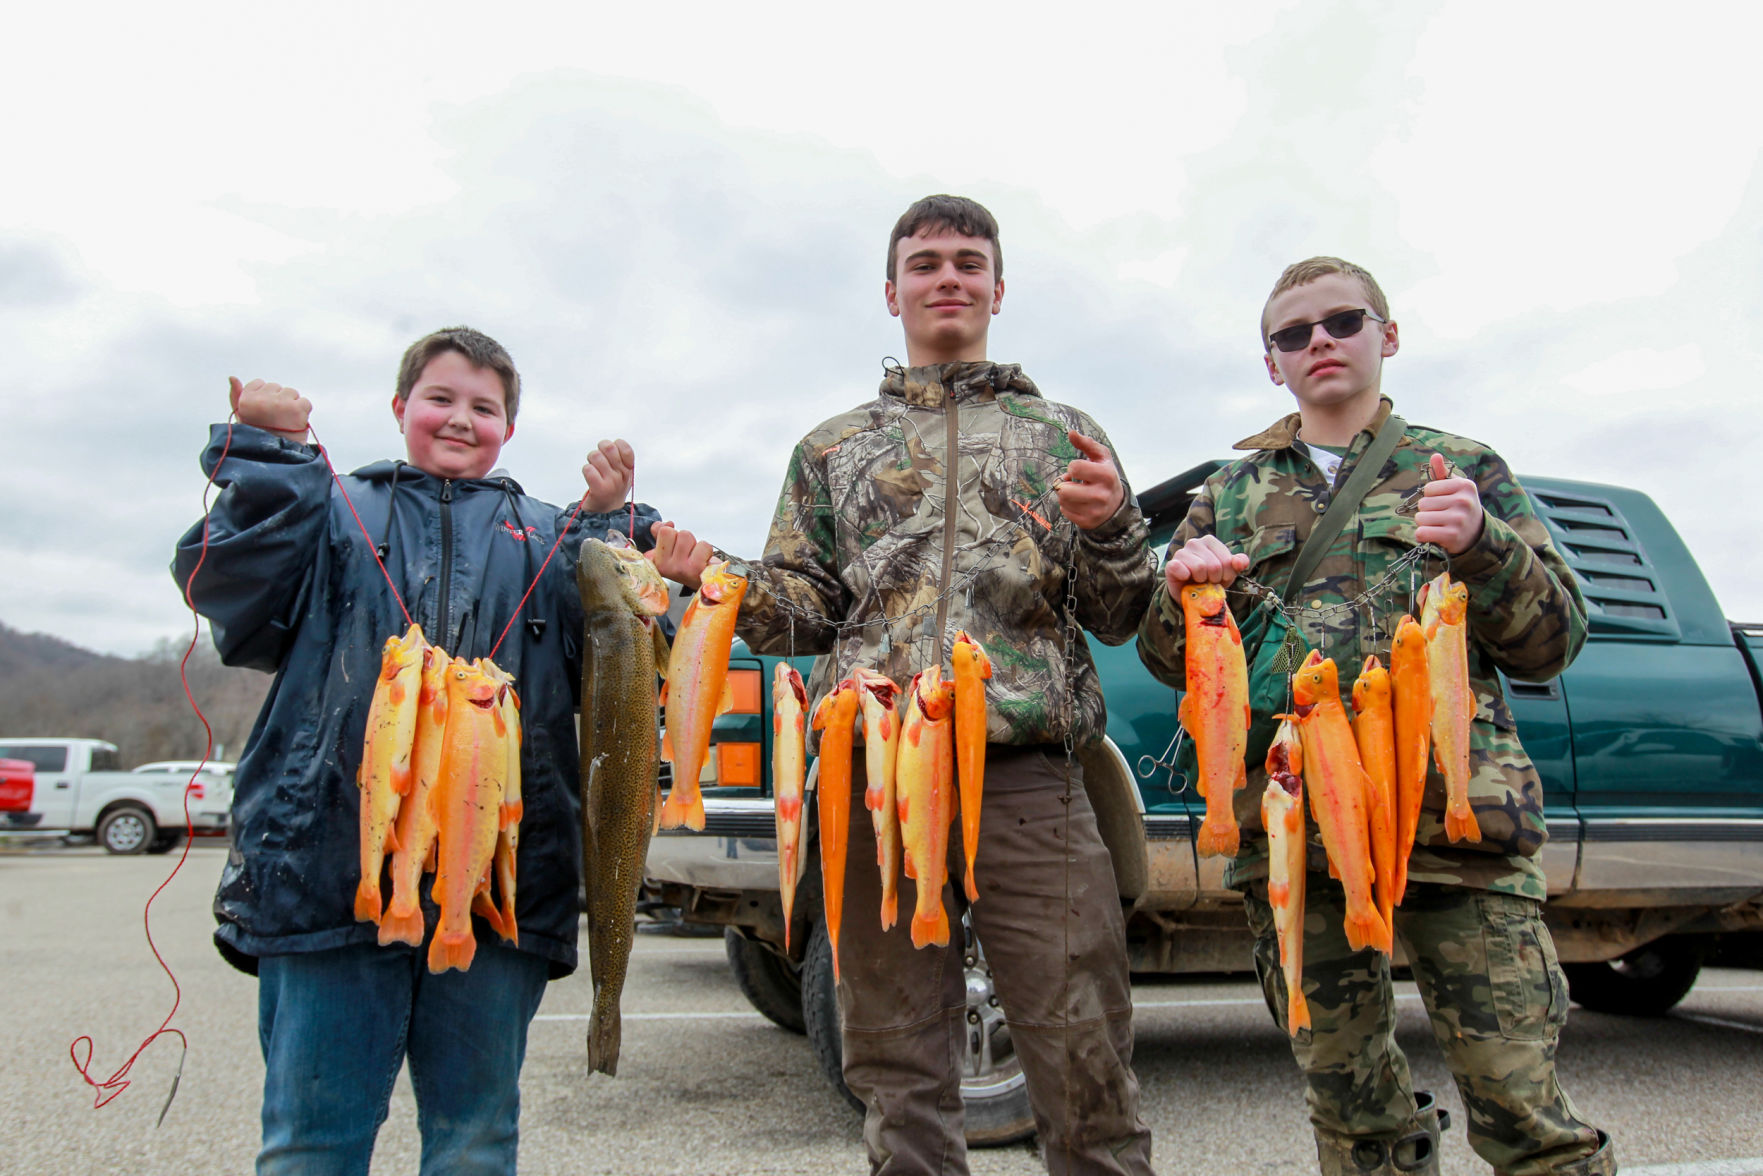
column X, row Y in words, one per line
column 1526, row 617
column 870, row 532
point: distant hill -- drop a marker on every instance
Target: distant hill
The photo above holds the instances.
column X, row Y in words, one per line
column 49, row 686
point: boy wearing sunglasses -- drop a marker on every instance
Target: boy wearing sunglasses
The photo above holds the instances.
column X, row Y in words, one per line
column 1470, row 923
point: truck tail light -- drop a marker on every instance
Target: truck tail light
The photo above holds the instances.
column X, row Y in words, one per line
column 737, row 764
column 196, row 790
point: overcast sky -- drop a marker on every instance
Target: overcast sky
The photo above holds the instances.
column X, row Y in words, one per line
column 676, row 220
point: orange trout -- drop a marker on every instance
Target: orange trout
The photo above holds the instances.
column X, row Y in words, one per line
column 501, row 919
column 1374, row 731
column 696, row 690
column 1282, row 815
column 1411, row 688
column 384, row 776
column 1338, row 786
column 468, row 807
column 789, row 764
column 925, row 774
column 1444, row 615
column 972, row 668
column 877, row 697
column 1215, row 711
column 416, row 816
column 836, row 719
column 622, row 646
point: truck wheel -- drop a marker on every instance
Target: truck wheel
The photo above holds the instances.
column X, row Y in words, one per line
column 993, row 1089
column 1646, row 982
column 127, row 829
column 770, row 983
column 168, row 840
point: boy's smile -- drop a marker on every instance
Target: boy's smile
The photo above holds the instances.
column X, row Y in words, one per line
column 944, row 294
column 1329, row 373
column 455, row 421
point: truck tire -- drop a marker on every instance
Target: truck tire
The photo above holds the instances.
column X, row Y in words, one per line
column 770, row 983
column 168, row 840
column 1647, row 982
column 993, row 1088
column 127, row 828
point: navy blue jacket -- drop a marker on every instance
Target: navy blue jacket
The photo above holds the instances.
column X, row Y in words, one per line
column 289, row 585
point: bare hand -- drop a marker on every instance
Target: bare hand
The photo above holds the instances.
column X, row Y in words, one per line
column 270, row 406
column 1450, row 513
column 679, row 555
column 608, row 472
column 1090, row 492
column 1203, row 560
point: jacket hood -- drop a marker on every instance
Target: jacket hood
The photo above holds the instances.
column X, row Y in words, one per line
column 405, row 474
column 929, row 386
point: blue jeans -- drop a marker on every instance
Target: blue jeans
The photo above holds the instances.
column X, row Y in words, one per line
column 336, row 1026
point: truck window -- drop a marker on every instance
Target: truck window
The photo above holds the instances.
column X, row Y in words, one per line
column 105, row 760
column 46, row 759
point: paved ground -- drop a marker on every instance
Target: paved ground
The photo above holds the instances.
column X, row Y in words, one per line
column 706, row 1085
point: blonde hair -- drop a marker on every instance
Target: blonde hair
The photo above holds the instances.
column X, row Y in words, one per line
column 1302, row 273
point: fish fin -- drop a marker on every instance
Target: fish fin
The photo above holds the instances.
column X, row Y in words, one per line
column 1462, row 825
column 906, row 865
column 890, row 912
column 1277, row 892
column 1182, row 713
column 512, row 811
column 661, row 699
column 432, row 859
column 604, row 1038
column 1242, row 780
column 1218, row 838
column 1298, row 1015
column 402, row 926
column 663, row 652
column 972, row 890
column 667, row 746
column 928, row 929
column 901, row 804
column 451, row 950
column 391, row 845
column 678, row 810
column 401, row 778
column 367, row 901
column 726, row 703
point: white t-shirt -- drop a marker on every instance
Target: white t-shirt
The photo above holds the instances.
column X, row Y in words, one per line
column 1329, row 463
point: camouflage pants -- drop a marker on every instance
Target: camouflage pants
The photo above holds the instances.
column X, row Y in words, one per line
column 1069, row 1016
column 1486, row 968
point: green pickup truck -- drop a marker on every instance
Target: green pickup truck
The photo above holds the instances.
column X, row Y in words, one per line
column 1650, row 749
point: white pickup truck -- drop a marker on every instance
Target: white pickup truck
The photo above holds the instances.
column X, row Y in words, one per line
column 81, row 791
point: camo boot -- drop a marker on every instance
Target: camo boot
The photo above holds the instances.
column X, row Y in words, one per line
column 1414, row 1151
column 1600, row 1163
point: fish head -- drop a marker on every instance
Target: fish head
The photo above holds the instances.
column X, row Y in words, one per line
column 837, row 708
column 640, row 586
column 1204, row 604
column 597, row 576
column 1454, row 604
column 718, row 585
column 469, row 684
column 786, row 682
column 1285, row 756
column 971, row 653
column 934, row 697
column 1315, row 681
column 1372, row 686
column 875, row 689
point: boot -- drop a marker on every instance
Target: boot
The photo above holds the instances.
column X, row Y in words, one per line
column 1414, row 1151
column 1600, row 1163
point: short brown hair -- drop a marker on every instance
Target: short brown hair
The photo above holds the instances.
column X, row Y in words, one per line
column 476, row 346
column 1302, row 273
column 951, row 214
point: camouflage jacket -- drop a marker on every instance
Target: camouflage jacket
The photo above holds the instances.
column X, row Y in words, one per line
column 1526, row 617
column 873, row 543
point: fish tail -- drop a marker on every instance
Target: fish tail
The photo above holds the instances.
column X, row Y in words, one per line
column 1297, row 1012
column 678, row 810
column 402, row 926
column 1368, row 930
column 1461, row 825
column 368, row 907
column 890, row 910
column 972, row 890
column 451, row 949
column 1218, row 836
column 931, row 928
column 605, row 1035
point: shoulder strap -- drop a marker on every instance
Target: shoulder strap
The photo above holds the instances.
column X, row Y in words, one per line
column 1345, row 503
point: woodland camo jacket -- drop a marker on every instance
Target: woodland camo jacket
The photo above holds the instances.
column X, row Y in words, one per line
column 1526, row 617
column 873, row 542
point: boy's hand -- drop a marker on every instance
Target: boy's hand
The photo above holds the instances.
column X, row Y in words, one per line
column 1203, row 560
column 270, row 406
column 679, row 555
column 1090, row 492
column 1450, row 513
column 608, row 475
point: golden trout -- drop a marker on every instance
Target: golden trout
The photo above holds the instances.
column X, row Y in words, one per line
column 501, row 919
column 877, row 698
column 789, row 765
column 697, row 690
column 1337, row 785
column 1374, row 732
column 622, row 646
column 416, row 826
column 1444, row 615
column 972, row 668
column 1282, row 815
column 468, row 807
column 836, row 719
column 1215, row 711
column 924, row 774
column 1411, row 690
column 384, row 776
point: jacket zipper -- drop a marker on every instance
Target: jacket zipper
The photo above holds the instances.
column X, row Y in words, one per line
column 951, row 472
column 446, row 559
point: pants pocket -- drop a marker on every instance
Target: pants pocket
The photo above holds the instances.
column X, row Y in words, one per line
column 1528, row 989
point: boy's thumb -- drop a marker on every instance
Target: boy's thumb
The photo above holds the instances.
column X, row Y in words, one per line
column 234, row 388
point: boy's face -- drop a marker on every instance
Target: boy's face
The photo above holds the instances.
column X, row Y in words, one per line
column 1329, row 371
column 945, row 295
column 456, row 418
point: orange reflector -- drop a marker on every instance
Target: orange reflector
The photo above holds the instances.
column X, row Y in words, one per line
column 743, row 688
column 737, row 764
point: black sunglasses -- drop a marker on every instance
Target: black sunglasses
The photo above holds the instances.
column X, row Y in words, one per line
column 1343, row 325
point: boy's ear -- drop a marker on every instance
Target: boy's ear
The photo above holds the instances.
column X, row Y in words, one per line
column 998, row 296
column 1391, row 344
column 1273, row 370
column 509, row 433
column 398, row 403
column 888, row 297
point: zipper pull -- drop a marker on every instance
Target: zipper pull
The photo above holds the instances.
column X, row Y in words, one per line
column 447, row 490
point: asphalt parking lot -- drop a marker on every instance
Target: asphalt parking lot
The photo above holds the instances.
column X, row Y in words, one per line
column 706, row 1085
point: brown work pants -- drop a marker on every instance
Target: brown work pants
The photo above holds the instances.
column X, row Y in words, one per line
column 1056, row 942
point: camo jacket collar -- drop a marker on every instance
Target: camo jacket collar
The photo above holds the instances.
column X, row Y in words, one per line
column 1283, row 433
column 931, row 385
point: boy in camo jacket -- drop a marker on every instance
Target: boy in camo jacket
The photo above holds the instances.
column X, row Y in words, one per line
column 1471, row 924
column 960, row 499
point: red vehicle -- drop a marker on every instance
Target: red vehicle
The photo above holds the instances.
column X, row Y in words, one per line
column 18, row 781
